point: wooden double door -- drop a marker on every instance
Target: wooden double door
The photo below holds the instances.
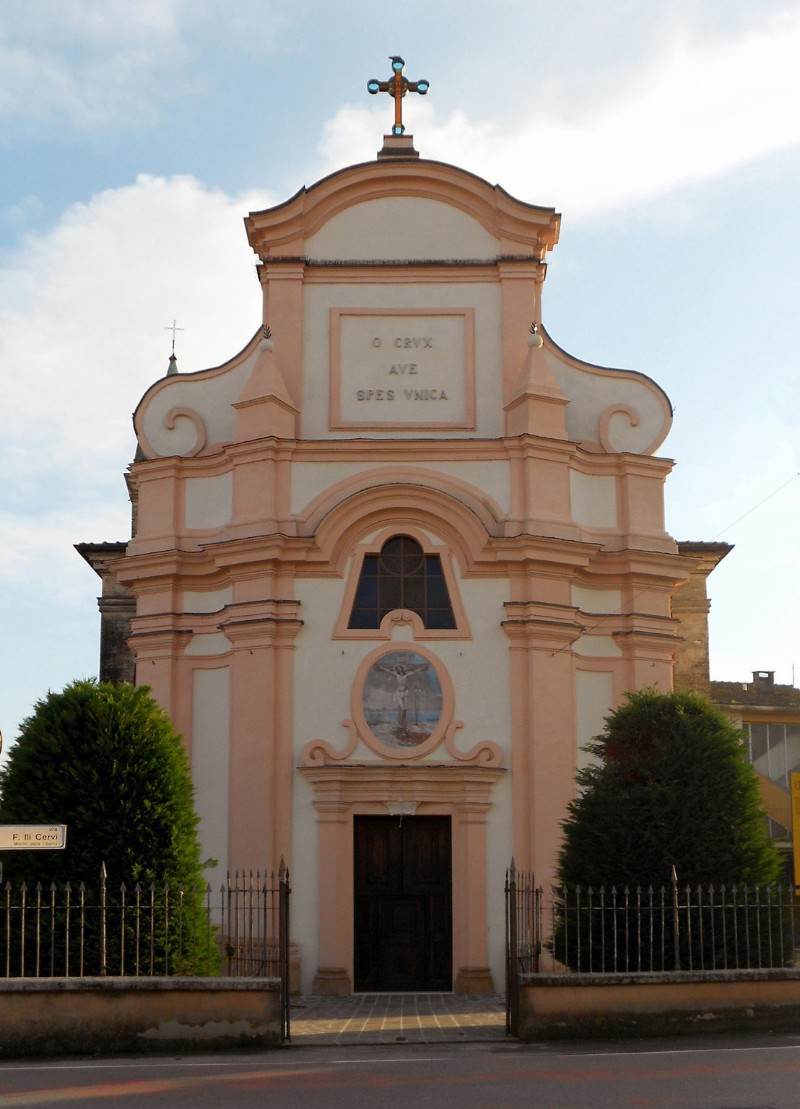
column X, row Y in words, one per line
column 403, row 903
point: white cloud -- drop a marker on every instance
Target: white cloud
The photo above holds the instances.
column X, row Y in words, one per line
column 95, row 64
column 42, row 549
column 691, row 111
column 84, row 310
column 82, row 335
column 82, row 61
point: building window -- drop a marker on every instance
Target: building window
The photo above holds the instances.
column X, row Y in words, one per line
column 775, row 751
column 402, row 575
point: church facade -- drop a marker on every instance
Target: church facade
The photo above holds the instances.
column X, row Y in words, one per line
column 392, row 565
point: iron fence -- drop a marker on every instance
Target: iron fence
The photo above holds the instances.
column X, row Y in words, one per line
column 636, row 930
column 240, row 929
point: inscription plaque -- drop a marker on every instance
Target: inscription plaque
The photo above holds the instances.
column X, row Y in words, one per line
column 402, row 368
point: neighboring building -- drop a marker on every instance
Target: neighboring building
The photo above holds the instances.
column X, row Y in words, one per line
column 769, row 714
column 691, row 606
column 117, row 605
column 394, row 563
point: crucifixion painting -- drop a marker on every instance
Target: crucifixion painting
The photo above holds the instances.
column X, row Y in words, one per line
column 402, row 699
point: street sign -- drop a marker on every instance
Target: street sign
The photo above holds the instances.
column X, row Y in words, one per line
column 33, row 837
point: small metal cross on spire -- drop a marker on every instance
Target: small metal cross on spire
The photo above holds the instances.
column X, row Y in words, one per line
column 397, row 86
column 173, row 328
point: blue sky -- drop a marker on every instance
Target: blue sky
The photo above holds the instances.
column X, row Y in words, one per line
column 135, row 137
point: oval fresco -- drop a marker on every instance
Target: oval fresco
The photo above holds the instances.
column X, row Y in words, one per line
column 402, row 699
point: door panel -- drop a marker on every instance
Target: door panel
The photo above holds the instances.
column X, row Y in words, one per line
column 403, row 896
column 400, row 923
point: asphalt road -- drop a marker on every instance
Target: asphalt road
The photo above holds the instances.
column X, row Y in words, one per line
column 730, row 1073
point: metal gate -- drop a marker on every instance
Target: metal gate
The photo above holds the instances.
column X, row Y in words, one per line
column 254, row 922
column 523, row 937
column 283, row 912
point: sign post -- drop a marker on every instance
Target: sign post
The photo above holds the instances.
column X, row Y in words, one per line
column 33, row 837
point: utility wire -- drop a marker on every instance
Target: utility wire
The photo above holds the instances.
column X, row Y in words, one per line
column 755, row 506
column 618, row 612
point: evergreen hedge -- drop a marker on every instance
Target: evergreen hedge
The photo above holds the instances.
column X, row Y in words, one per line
column 105, row 760
column 669, row 786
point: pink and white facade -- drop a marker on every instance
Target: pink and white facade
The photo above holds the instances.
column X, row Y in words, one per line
column 400, row 439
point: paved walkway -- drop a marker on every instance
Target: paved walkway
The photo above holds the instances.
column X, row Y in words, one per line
column 392, row 1018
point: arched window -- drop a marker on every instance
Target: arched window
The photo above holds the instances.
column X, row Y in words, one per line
column 402, row 576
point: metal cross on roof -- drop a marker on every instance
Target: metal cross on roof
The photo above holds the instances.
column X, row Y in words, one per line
column 173, row 328
column 397, row 86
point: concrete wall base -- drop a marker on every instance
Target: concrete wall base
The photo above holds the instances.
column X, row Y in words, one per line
column 576, row 1006
column 65, row 1016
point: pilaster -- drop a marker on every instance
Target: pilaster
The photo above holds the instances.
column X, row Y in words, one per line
column 262, row 636
column 543, row 727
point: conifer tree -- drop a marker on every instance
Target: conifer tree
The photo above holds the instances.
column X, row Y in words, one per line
column 105, row 760
column 670, row 786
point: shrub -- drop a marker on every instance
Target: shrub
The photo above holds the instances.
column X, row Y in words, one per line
column 106, row 761
column 670, row 787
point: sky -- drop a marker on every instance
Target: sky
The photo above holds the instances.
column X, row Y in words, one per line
column 134, row 138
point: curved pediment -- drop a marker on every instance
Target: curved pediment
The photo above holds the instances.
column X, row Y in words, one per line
column 515, row 227
column 402, row 228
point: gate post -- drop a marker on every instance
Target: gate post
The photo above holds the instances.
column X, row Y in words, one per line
column 103, row 876
column 512, row 968
column 283, row 949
